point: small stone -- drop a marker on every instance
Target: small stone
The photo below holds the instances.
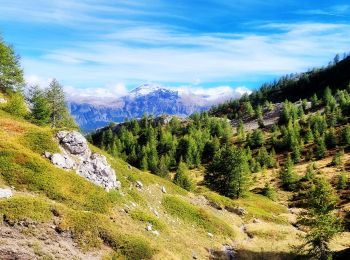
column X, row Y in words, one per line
column 139, row 184
column 163, row 189
column 5, row 193
column 156, row 232
column 210, row 234
column 133, row 204
column 256, row 221
column 149, row 227
column 194, row 255
column 47, row 155
column 236, row 210
column 129, row 167
column 155, row 212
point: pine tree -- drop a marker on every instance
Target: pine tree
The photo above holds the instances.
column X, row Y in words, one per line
column 342, row 181
column 11, row 74
column 321, row 149
column 269, row 191
column 16, row 105
column 60, row 116
column 229, row 174
column 288, row 176
column 181, row 177
column 310, row 172
column 323, row 224
column 40, row 107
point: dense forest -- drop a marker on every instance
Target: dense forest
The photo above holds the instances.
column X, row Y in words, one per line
column 292, row 87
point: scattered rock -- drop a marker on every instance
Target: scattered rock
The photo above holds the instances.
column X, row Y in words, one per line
column 210, row 234
column 149, row 227
column 47, row 155
column 139, row 184
column 163, row 189
column 63, row 161
column 129, row 167
column 5, row 193
column 215, row 205
column 156, row 232
column 155, row 212
column 229, row 252
column 256, row 221
column 236, row 210
column 194, row 255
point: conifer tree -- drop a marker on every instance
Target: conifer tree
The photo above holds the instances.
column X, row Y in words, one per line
column 229, row 174
column 40, row 111
column 323, row 224
column 181, row 177
column 288, row 176
column 321, row 149
column 11, row 74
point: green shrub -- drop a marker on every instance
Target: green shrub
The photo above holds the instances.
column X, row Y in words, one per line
column 24, row 207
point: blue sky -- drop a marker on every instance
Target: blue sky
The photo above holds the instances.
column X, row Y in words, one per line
column 104, row 48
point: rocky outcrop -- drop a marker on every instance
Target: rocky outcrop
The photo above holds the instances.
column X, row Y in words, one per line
column 76, row 155
column 5, row 193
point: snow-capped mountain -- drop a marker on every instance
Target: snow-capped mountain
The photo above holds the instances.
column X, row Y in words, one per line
column 152, row 99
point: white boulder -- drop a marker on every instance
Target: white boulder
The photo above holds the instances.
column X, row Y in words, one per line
column 5, row 193
column 76, row 154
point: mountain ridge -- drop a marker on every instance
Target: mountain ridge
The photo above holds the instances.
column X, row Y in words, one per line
column 148, row 98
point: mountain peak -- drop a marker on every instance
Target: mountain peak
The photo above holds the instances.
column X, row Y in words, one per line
column 145, row 89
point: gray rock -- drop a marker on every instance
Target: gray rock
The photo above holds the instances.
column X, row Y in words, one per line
column 149, row 227
column 163, row 189
column 47, row 155
column 139, row 184
column 156, row 232
column 210, row 234
column 77, row 155
column 236, row 210
column 63, row 161
column 73, row 142
column 5, row 193
column 215, row 205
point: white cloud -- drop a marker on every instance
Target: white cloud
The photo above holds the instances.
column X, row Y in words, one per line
column 168, row 56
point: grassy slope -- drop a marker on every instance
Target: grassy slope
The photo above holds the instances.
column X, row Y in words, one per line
column 95, row 218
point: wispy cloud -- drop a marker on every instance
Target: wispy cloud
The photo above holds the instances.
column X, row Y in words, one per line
column 164, row 55
column 335, row 10
column 105, row 47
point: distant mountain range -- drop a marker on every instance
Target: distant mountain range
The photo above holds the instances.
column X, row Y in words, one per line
column 152, row 99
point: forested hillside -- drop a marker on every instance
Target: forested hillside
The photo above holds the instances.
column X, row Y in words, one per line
column 304, row 154
column 292, row 87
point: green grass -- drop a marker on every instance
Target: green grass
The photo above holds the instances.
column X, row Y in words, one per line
column 257, row 206
column 195, row 215
column 40, row 141
column 90, row 230
column 25, row 207
column 29, row 171
column 145, row 217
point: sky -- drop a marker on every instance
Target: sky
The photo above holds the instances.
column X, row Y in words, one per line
column 105, row 48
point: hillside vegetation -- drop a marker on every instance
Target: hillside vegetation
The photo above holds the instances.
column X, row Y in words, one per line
column 203, row 191
column 281, row 160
